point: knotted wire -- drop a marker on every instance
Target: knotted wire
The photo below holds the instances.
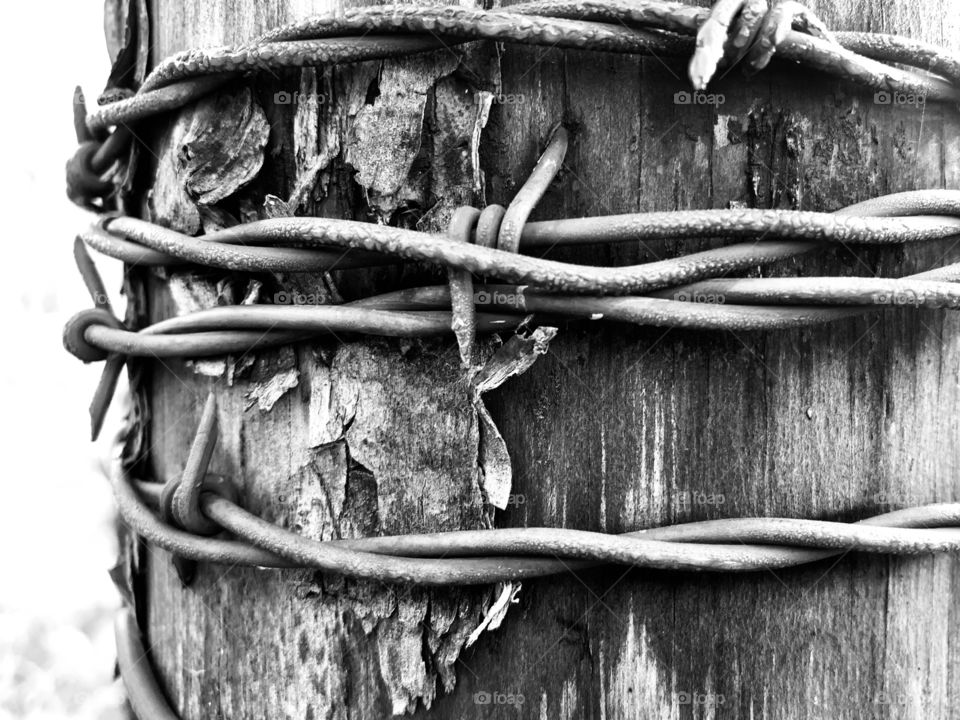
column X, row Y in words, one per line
column 188, row 516
column 640, row 27
column 184, row 516
column 730, row 32
column 488, row 243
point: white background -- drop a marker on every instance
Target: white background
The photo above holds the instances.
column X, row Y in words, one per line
column 56, row 516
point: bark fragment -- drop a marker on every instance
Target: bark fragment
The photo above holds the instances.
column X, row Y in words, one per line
column 223, row 145
column 386, row 135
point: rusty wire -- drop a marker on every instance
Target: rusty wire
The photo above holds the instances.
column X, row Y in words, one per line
column 754, row 303
column 143, row 691
column 185, row 518
column 644, row 27
column 504, row 554
column 667, row 292
column 490, row 243
column 494, row 284
column 729, row 33
column 487, row 243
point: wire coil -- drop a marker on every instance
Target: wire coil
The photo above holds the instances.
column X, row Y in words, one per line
column 488, row 244
column 495, row 283
column 469, row 557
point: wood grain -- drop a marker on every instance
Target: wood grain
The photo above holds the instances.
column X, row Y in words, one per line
column 617, row 428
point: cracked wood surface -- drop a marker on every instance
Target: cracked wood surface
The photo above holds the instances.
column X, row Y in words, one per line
column 616, row 428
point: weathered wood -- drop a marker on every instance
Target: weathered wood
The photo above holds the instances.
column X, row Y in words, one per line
column 617, row 428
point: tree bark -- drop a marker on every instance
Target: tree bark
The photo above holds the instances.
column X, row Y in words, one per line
column 617, row 428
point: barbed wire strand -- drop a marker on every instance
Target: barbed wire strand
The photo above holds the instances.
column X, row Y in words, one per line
column 647, row 28
column 736, row 544
column 188, row 517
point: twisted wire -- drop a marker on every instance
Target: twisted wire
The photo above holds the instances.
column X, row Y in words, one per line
column 490, row 243
column 666, row 292
column 191, row 516
column 661, row 28
column 504, row 554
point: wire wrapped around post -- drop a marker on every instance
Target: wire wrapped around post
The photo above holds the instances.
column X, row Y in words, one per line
column 491, row 253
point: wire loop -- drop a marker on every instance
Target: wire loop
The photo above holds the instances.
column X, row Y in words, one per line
column 666, row 292
column 190, row 516
column 84, row 183
column 183, row 497
column 498, row 555
column 531, row 192
column 75, row 338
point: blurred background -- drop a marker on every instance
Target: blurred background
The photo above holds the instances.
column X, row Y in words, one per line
column 56, row 515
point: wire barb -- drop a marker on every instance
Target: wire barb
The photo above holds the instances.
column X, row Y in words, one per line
column 188, row 517
column 674, row 292
column 498, row 555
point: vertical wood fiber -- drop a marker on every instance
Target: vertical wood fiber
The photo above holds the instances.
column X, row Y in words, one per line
column 617, row 428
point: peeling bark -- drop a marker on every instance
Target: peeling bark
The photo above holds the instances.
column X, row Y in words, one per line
column 377, row 437
column 354, row 460
column 385, row 137
column 222, row 148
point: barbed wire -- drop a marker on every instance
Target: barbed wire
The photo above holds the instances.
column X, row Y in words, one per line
column 196, row 508
column 689, row 291
column 643, row 28
column 488, row 243
column 189, row 516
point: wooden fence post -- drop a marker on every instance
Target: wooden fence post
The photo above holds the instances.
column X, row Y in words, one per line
column 616, row 428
